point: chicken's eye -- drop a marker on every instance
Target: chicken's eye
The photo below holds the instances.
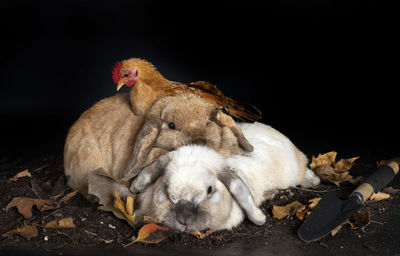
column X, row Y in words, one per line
column 126, row 74
column 209, row 190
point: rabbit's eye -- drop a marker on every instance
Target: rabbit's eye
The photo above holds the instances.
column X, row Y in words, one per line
column 209, row 190
column 171, row 125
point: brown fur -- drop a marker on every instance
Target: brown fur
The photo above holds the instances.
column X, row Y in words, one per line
column 111, row 137
column 103, row 137
column 195, row 122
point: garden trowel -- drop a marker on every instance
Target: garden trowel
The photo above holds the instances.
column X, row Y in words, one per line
column 332, row 212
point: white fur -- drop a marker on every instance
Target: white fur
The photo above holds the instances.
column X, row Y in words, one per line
column 274, row 164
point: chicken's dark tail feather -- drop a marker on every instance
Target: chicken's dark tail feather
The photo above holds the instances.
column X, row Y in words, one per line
column 243, row 111
column 240, row 110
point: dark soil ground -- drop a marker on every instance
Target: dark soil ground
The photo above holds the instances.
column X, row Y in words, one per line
column 102, row 233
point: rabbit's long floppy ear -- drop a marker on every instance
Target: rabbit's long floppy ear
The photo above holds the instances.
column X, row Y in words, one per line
column 143, row 145
column 224, row 120
column 149, row 174
column 242, row 195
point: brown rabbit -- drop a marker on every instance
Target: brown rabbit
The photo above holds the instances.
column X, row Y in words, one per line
column 111, row 137
column 179, row 120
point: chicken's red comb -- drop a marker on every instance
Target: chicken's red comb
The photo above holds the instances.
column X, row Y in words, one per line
column 115, row 71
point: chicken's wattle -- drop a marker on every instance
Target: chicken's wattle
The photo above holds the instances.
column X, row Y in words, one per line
column 130, row 83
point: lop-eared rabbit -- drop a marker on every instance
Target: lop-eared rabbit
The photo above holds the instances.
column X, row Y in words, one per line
column 196, row 188
column 110, row 136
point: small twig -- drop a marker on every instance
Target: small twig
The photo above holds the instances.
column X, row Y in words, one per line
column 319, row 191
column 36, row 193
column 40, row 168
column 99, row 237
column 51, row 213
column 377, row 222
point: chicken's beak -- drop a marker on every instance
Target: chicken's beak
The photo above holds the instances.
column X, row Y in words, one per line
column 120, row 84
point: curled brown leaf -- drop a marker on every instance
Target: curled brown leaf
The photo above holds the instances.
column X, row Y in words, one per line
column 314, row 202
column 281, row 212
column 25, row 204
column 63, row 223
column 27, row 231
column 199, row 234
column 326, row 167
column 150, row 229
column 24, row 173
column 360, row 219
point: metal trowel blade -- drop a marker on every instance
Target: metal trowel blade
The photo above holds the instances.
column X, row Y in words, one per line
column 329, row 213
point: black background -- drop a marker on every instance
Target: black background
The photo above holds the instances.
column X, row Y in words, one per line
column 320, row 71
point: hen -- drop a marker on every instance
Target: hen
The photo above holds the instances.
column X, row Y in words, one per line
column 149, row 85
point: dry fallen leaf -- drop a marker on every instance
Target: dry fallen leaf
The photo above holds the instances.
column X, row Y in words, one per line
column 379, row 196
column 360, row 219
column 324, row 159
column 63, row 223
column 344, row 165
column 199, row 234
column 391, row 190
column 326, row 167
column 150, row 230
column 24, row 173
column 314, row 202
column 27, row 231
column 127, row 209
column 281, row 212
column 303, row 213
column 25, row 204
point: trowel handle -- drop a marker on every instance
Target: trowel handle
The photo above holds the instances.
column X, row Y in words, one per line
column 377, row 181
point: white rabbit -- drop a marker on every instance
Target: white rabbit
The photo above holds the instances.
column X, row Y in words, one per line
column 196, row 188
column 110, row 136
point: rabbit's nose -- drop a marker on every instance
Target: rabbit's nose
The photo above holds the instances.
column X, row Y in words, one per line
column 185, row 212
column 185, row 220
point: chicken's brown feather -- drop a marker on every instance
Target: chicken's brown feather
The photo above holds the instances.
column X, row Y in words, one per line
column 163, row 87
column 238, row 109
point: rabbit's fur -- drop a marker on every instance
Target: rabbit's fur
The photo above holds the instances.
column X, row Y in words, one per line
column 103, row 136
column 196, row 188
column 110, row 136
